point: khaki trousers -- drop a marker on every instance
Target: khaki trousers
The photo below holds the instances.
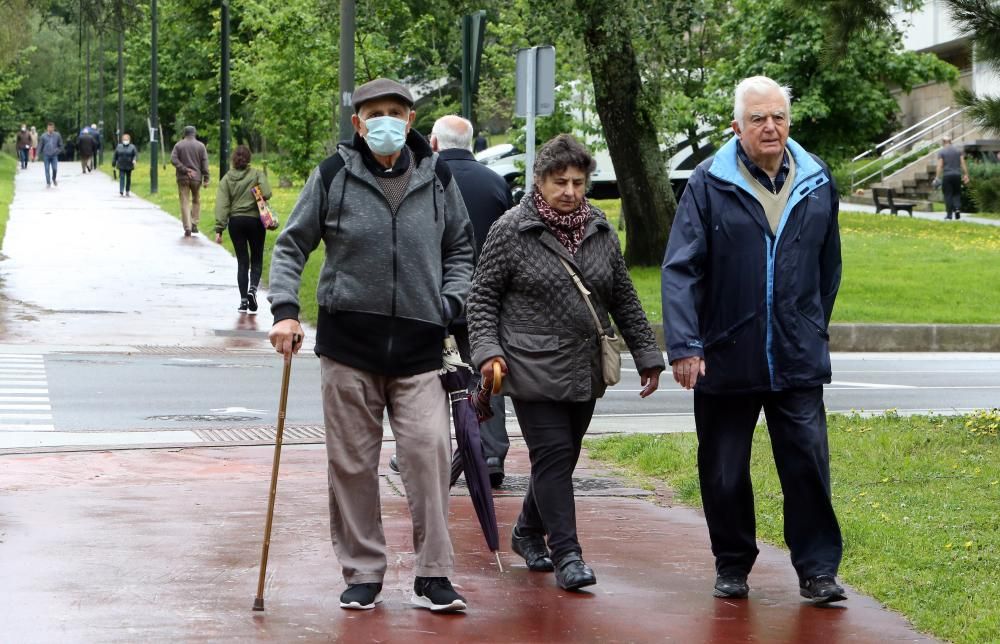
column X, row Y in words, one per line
column 353, row 405
column 190, row 193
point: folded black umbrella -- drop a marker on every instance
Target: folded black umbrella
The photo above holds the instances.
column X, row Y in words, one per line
column 470, row 446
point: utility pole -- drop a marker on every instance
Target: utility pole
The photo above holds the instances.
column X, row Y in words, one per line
column 100, row 94
column 86, row 105
column 121, row 82
column 346, row 68
column 154, row 123
column 224, row 87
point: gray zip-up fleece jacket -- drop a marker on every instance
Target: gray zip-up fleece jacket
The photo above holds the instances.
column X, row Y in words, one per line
column 525, row 307
column 391, row 283
column 50, row 144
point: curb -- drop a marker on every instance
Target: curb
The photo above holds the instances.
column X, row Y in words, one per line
column 904, row 337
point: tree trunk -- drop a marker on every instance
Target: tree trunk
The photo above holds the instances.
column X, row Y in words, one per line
column 630, row 131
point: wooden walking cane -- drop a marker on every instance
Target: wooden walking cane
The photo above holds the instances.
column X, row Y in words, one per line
column 258, row 602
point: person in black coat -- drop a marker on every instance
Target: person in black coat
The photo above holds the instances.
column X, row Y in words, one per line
column 749, row 280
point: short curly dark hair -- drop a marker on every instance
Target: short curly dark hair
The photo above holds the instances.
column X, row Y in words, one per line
column 241, row 157
column 560, row 153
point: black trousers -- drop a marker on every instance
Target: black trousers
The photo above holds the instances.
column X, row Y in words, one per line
column 554, row 433
column 247, row 234
column 796, row 422
column 493, row 432
column 951, row 186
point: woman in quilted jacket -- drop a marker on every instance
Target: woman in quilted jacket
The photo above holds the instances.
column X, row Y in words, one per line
column 526, row 313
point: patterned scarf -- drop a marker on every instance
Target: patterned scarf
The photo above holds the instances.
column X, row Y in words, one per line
column 568, row 228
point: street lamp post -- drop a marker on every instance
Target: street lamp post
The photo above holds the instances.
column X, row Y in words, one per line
column 346, row 68
column 224, row 88
column 153, row 106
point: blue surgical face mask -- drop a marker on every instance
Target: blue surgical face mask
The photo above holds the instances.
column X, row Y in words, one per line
column 386, row 134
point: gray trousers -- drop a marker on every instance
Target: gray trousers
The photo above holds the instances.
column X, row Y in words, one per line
column 354, row 402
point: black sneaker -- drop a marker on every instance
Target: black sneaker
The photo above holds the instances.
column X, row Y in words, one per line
column 731, row 587
column 822, row 589
column 394, row 464
column 533, row 549
column 243, row 306
column 194, row 230
column 361, row 596
column 252, row 301
column 437, row 594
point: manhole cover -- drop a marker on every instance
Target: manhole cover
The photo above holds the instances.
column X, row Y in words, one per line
column 517, row 484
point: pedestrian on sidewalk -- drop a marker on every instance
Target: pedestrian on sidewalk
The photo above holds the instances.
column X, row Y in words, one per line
column 398, row 266
column 51, row 144
column 951, row 174
column 749, row 279
column 236, row 208
column 98, row 144
column 486, row 197
column 190, row 158
column 527, row 313
column 34, row 144
column 87, row 146
column 23, row 144
column 124, row 159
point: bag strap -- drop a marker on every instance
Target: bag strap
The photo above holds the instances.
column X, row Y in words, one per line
column 586, row 295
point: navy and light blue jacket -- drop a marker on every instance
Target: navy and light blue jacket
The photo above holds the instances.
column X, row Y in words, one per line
column 755, row 305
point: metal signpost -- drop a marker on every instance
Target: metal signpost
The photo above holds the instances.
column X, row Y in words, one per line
column 347, row 11
column 534, row 95
column 154, row 121
column 224, row 98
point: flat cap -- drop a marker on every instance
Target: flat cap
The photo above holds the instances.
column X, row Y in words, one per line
column 380, row 88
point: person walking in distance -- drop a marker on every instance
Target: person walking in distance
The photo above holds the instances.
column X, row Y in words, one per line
column 87, row 146
column 749, row 279
column 34, row 143
column 236, row 208
column 951, row 174
column 190, row 158
column 23, row 144
column 486, row 197
column 51, row 146
column 397, row 270
column 124, row 160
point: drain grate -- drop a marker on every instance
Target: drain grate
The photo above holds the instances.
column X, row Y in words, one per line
column 517, row 485
column 201, row 418
column 304, row 434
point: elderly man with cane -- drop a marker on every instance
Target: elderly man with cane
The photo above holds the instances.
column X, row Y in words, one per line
column 398, row 268
column 750, row 276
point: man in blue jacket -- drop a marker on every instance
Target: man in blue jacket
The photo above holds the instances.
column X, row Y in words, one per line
column 750, row 277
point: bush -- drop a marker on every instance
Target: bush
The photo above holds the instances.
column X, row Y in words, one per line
column 983, row 188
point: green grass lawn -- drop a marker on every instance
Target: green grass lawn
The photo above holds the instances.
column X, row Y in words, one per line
column 895, row 269
column 8, row 167
column 918, row 500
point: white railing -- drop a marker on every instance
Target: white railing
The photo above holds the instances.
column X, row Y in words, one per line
column 900, row 146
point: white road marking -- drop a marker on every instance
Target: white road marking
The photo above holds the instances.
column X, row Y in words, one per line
column 24, row 399
column 23, row 383
column 12, row 407
column 871, row 385
column 25, row 427
column 23, row 391
column 25, row 417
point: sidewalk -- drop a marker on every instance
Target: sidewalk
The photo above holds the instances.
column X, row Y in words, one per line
column 85, row 267
column 164, row 546
column 868, row 207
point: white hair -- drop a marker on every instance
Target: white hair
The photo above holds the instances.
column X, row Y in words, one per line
column 453, row 131
column 759, row 85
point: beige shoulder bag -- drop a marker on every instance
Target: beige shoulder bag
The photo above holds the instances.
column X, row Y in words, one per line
column 611, row 345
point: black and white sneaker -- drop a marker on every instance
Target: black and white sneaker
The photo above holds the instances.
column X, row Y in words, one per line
column 361, row 596
column 243, row 306
column 252, row 301
column 436, row 594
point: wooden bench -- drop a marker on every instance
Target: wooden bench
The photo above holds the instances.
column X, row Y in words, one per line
column 885, row 199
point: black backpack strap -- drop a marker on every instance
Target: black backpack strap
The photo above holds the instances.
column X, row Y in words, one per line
column 329, row 168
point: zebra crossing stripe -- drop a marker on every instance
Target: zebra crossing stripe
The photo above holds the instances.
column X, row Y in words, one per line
column 24, row 389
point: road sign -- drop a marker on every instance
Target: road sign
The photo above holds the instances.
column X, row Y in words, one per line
column 544, row 91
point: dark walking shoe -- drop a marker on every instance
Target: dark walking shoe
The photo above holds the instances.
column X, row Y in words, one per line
column 194, row 230
column 572, row 573
column 187, row 233
column 496, row 471
column 361, row 596
column 436, row 594
column 243, row 306
column 731, row 587
column 822, row 589
column 532, row 548
column 394, row 464
column 252, row 301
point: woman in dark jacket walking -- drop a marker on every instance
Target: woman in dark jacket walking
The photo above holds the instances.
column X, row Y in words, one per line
column 526, row 312
column 236, row 206
column 124, row 160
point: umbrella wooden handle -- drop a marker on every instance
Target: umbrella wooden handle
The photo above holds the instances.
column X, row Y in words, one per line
column 497, row 377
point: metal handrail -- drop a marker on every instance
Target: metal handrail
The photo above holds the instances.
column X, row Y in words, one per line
column 923, row 158
column 898, row 134
column 908, row 141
